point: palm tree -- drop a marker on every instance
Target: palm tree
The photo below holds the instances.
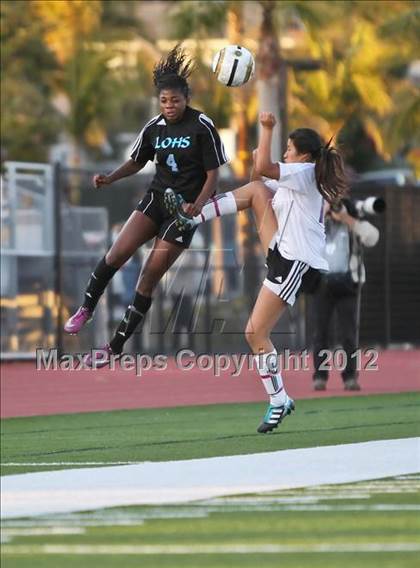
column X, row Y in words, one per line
column 361, row 88
column 272, row 68
column 82, row 75
column 29, row 121
column 401, row 29
column 271, row 74
column 92, row 81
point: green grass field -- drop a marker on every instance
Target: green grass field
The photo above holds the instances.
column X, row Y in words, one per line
column 201, row 431
column 368, row 524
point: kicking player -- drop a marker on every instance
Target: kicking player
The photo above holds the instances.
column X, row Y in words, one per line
column 188, row 152
column 291, row 229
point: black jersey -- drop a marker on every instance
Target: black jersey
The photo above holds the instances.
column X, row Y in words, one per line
column 184, row 152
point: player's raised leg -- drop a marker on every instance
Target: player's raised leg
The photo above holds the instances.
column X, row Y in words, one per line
column 254, row 195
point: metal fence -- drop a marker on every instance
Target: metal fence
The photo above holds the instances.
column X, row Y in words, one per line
column 48, row 249
column 391, row 295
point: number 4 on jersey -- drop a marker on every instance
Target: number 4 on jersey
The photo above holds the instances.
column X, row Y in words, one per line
column 170, row 160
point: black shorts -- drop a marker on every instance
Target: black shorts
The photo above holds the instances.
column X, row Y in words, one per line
column 152, row 205
column 287, row 278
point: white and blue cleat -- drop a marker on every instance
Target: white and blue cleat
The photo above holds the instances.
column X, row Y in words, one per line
column 274, row 416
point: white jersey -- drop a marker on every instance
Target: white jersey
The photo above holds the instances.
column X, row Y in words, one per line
column 298, row 207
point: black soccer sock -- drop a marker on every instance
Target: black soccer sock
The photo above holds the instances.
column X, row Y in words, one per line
column 133, row 316
column 97, row 284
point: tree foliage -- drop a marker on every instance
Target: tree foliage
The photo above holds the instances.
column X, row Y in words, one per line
column 58, row 60
column 70, row 49
column 29, row 122
column 362, row 86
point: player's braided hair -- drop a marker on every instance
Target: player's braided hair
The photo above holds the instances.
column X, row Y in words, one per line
column 173, row 70
column 329, row 166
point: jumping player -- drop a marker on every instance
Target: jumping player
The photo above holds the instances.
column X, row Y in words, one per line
column 188, row 152
column 291, row 229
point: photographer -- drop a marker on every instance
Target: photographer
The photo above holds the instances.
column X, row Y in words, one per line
column 339, row 289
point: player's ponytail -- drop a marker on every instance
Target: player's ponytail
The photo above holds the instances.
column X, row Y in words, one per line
column 329, row 166
column 173, row 71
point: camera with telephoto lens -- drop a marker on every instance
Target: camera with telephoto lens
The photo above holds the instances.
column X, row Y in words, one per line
column 361, row 207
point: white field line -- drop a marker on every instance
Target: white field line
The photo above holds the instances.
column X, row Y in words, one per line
column 18, row 528
column 80, row 524
column 130, row 521
column 161, row 483
column 41, row 531
column 197, row 512
column 202, row 512
column 303, row 499
column 409, row 477
column 373, row 485
column 369, row 490
column 65, row 463
column 315, row 507
column 307, row 500
column 357, row 547
column 340, row 508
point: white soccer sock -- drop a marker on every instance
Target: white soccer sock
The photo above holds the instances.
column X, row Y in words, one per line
column 221, row 204
column 267, row 366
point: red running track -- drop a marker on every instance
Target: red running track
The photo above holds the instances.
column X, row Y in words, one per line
column 28, row 392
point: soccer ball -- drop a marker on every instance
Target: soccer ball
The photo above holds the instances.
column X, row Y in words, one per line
column 233, row 65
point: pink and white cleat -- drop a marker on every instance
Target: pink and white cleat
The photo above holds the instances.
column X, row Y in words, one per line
column 101, row 357
column 74, row 324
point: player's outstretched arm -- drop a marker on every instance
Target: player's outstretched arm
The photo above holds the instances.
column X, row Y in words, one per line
column 129, row 168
